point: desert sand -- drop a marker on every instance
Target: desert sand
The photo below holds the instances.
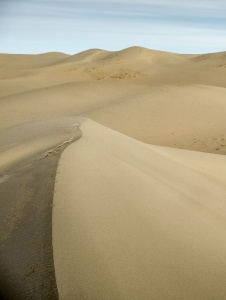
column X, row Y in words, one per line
column 135, row 221
column 137, row 208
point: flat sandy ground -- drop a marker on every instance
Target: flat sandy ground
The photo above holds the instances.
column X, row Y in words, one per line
column 139, row 199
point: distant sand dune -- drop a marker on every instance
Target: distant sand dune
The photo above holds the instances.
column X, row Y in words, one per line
column 158, row 66
column 188, row 117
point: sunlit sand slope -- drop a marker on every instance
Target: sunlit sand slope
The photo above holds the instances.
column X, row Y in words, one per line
column 135, row 221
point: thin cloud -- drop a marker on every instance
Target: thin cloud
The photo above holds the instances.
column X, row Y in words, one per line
column 110, row 24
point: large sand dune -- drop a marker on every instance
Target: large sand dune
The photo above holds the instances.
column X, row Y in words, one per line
column 133, row 221
column 139, row 199
column 157, row 97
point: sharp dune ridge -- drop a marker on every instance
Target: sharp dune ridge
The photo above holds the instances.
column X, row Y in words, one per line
column 146, row 223
column 136, row 207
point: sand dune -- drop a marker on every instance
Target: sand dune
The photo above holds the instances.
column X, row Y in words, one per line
column 155, row 67
column 26, row 61
column 188, row 117
column 31, row 139
column 133, row 221
column 135, row 216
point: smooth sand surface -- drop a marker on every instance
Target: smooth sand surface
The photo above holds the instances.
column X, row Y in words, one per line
column 157, row 97
column 27, row 140
column 135, row 221
column 144, row 219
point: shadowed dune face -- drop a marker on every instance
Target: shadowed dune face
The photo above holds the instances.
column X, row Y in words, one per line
column 26, row 260
column 29, row 155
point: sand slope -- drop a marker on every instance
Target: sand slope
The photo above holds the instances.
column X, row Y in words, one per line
column 177, row 100
column 131, row 220
column 28, row 72
column 134, row 221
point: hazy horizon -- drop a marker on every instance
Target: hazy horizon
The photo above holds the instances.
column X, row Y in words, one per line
column 37, row 26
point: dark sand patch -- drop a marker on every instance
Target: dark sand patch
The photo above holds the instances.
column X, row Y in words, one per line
column 26, row 254
column 26, row 265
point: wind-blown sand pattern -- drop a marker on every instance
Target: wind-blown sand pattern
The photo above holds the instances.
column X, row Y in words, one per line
column 139, row 203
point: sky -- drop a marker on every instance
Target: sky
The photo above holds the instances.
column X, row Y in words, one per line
column 72, row 26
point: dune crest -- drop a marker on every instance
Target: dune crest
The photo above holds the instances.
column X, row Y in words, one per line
column 132, row 220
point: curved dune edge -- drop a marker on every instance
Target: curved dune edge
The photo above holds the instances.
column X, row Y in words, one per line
column 26, row 189
column 135, row 221
column 32, row 140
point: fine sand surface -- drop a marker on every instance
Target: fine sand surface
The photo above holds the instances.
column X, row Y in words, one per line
column 135, row 221
column 139, row 200
column 156, row 97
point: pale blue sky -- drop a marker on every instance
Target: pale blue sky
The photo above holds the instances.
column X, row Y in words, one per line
column 71, row 26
